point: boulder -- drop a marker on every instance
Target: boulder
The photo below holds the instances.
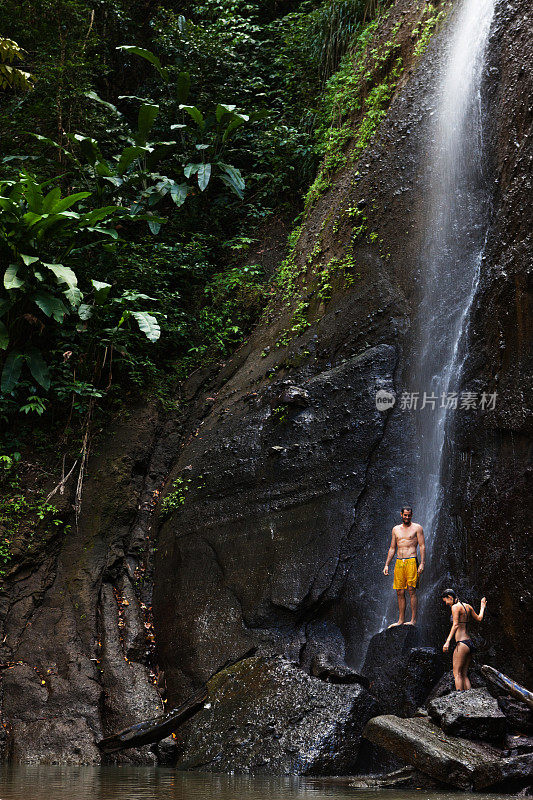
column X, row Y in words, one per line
column 517, row 745
column 446, row 684
column 266, row 715
column 452, row 760
column 401, row 673
column 474, row 714
column 518, row 715
column 328, row 668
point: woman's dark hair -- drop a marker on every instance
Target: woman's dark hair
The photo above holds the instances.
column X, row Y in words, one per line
column 450, row 593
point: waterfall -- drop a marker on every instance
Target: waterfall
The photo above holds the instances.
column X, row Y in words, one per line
column 455, row 228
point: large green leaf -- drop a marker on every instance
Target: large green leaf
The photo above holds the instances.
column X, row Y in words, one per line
column 190, row 169
column 51, row 306
column 50, row 142
column 222, row 109
column 4, row 336
column 67, row 276
column 38, row 368
column 103, row 170
column 148, row 55
column 147, row 114
column 204, row 173
column 232, row 178
column 196, row 114
column 29, row 260
column 89, row 148
column 109, row 106
column 34, row 194
column 99, row 214
column 101, row 290
column 11, row 277
column 178, row 193
column 11, row 371
column 51, row 199
column 69, row 201
column 148, row 325
column 236, row 121
column 128, row 155
column 85, row 311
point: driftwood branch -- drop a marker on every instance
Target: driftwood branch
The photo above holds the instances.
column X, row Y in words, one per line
column 508, row 685
column 153, row 730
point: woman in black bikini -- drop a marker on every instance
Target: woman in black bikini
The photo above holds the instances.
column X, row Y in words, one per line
column 464, row 645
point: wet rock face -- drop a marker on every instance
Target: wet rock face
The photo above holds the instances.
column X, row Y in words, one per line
column 519, row 716
column 268, row 534
column 485, row 539
column 71, row 623
column 265, row 715
column 474, row 715
column 401, row 673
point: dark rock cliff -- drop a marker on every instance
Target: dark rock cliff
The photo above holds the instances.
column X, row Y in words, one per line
column 284, row 475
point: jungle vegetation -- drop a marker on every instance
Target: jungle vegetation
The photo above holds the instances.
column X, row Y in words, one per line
column 144, row 147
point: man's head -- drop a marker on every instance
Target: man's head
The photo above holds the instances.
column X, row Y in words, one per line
column 407, row 513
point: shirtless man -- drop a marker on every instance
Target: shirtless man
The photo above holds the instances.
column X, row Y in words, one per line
column 406, row 537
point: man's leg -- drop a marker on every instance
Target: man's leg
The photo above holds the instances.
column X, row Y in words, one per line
column 401, row 607
column 414, row 605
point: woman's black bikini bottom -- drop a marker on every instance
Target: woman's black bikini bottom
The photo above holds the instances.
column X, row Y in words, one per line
column 469, row 643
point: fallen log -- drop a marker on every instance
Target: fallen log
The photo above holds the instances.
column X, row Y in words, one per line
column 503, row 682
column 153, row 730
column 157, row 728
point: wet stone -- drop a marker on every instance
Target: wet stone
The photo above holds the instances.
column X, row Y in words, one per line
column 266, row 715
column 474, row 714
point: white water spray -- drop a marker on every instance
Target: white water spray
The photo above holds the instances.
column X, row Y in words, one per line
column 454, row 236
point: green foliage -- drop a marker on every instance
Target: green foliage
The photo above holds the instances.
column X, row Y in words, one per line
column 337, row 271
column 297, row 325
column 39, row 229
column 13, row 77
column 424, row 30
column 21, row 516
column 153, row 164
column 352, row 90
column 175, row 498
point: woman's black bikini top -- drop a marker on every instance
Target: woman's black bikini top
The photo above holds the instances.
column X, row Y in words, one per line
column 462, row 621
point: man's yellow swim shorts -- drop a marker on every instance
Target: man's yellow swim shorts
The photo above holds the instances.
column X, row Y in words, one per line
column 406, row 573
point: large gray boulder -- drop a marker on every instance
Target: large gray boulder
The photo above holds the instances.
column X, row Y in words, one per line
column 266, row 715
column 452, row 760
column 401, row 673
column 474, row 714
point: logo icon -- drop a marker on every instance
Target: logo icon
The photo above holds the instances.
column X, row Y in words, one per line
column 384, row 400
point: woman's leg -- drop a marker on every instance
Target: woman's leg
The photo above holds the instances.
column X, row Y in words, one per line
column 466, row 679
column 457, row 667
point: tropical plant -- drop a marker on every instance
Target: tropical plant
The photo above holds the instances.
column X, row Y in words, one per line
column 42, row 238
column 13, row 77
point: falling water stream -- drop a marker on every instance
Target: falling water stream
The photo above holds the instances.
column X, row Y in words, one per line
column 455, row 229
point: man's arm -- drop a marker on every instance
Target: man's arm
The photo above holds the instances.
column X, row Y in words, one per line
column 390, row 554
column 422, row 545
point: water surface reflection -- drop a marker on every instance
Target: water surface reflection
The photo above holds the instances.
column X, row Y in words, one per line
column 29, row 782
